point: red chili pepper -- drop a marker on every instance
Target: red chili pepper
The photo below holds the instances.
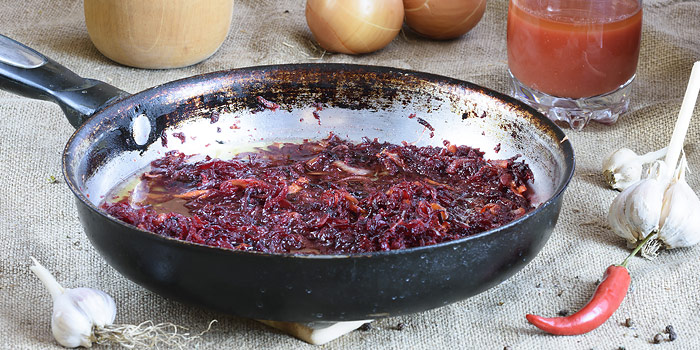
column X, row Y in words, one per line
column 606, row 299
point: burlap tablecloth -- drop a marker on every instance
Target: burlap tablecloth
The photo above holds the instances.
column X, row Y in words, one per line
column 38, row 218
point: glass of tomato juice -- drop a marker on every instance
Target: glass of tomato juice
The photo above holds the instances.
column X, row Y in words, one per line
column 574, row 60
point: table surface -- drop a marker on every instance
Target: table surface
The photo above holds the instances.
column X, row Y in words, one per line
column 38, row 218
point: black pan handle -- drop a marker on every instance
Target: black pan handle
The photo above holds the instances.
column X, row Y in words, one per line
column 28, row 73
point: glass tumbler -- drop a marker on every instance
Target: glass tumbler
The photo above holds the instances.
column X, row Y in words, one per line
column 574, row 60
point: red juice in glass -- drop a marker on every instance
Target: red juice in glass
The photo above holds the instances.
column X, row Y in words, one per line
column 574, row 59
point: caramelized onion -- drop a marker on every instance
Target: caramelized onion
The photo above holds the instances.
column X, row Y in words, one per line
column 351, row 169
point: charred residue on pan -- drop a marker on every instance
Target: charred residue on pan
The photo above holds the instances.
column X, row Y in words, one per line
column 427, row 125
column 369, row 89
column 528, row 113
column 105, row 139
column 469, row 114
column 360, row 91
column 550, row 132
column 343, row 89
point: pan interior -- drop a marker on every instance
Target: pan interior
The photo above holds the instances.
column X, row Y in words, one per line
column 354, row 104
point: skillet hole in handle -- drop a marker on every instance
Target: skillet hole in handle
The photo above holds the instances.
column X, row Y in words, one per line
column 140, row 131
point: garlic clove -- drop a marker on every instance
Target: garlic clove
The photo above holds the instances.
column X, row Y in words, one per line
column 621, row 169
column 69, row 325
column 643, row 209
column 636, row 211
column 681, row 225
column 97, row 305
column 616, row 217
column 680, row 213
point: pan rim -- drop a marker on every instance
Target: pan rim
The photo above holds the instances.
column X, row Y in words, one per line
column 564, row 144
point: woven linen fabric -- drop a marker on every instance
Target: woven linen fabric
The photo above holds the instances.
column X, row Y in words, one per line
column 38, row 218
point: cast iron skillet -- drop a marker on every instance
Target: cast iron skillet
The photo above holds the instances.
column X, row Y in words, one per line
column 119, row 134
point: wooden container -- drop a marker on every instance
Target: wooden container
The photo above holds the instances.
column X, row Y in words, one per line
column 158, row 33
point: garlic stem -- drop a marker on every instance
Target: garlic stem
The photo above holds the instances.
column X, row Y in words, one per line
column 638, row 248
column 684, row 115
column 679, row 174
column 652, row 156
column 55, row 289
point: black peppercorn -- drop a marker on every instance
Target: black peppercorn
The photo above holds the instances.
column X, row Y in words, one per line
column 671, row 333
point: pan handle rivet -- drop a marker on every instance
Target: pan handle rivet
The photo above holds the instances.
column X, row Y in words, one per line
column 140, row 129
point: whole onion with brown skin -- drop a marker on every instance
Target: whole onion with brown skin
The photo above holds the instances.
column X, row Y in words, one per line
column 354, row 26
column 443, row 19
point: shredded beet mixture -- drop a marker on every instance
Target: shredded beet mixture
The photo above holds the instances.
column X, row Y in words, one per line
column 328, row 197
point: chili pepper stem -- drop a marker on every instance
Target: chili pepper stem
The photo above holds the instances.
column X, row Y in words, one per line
column 638, row 248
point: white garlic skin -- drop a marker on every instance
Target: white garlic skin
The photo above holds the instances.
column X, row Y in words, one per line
column 76, row 312
column 680, row 216
column 622, row 169
column 636, row 211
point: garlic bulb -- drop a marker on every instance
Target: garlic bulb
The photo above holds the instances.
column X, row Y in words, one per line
column 674, row 217
column 83, row 316
column 623, row 167
column 76, row 312
column 680, row 213
column 636, row 212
